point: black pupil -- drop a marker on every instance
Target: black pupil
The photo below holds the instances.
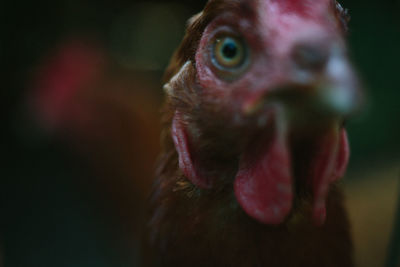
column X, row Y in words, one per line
column 229, row 50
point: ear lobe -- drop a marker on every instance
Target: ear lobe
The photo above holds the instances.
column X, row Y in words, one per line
column 186, row 161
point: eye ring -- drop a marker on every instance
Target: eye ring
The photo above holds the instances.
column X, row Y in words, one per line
column 229, row 53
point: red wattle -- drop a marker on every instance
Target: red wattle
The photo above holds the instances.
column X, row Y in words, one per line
column 186, row 162
column 263, row 185
column 343, row 156
column 323, row 171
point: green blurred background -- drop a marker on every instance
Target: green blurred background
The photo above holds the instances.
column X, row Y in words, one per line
column 46, row 221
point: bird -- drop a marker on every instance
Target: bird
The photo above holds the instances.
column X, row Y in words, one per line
column 254, row 141
column 104, row 117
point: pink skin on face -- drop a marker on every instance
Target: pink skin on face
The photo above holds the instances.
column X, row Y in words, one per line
column 271, row 36
column 263, row 184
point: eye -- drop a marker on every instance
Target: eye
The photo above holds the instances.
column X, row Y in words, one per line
column 229, row 53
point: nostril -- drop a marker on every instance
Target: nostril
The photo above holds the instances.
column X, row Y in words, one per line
column 311, row 57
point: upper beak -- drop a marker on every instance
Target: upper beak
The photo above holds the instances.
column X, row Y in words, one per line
column 339, row 93
column 322, row 80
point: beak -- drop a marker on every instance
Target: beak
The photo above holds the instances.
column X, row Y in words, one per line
column 339, row 93
column 322, row 82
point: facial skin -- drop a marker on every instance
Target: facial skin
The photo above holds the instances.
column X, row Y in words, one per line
column 267, row 77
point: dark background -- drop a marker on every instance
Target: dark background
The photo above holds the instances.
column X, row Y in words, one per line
column 47, row 220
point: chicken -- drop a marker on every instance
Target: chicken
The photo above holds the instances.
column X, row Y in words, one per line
column 254, row 140
column 106, row 117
